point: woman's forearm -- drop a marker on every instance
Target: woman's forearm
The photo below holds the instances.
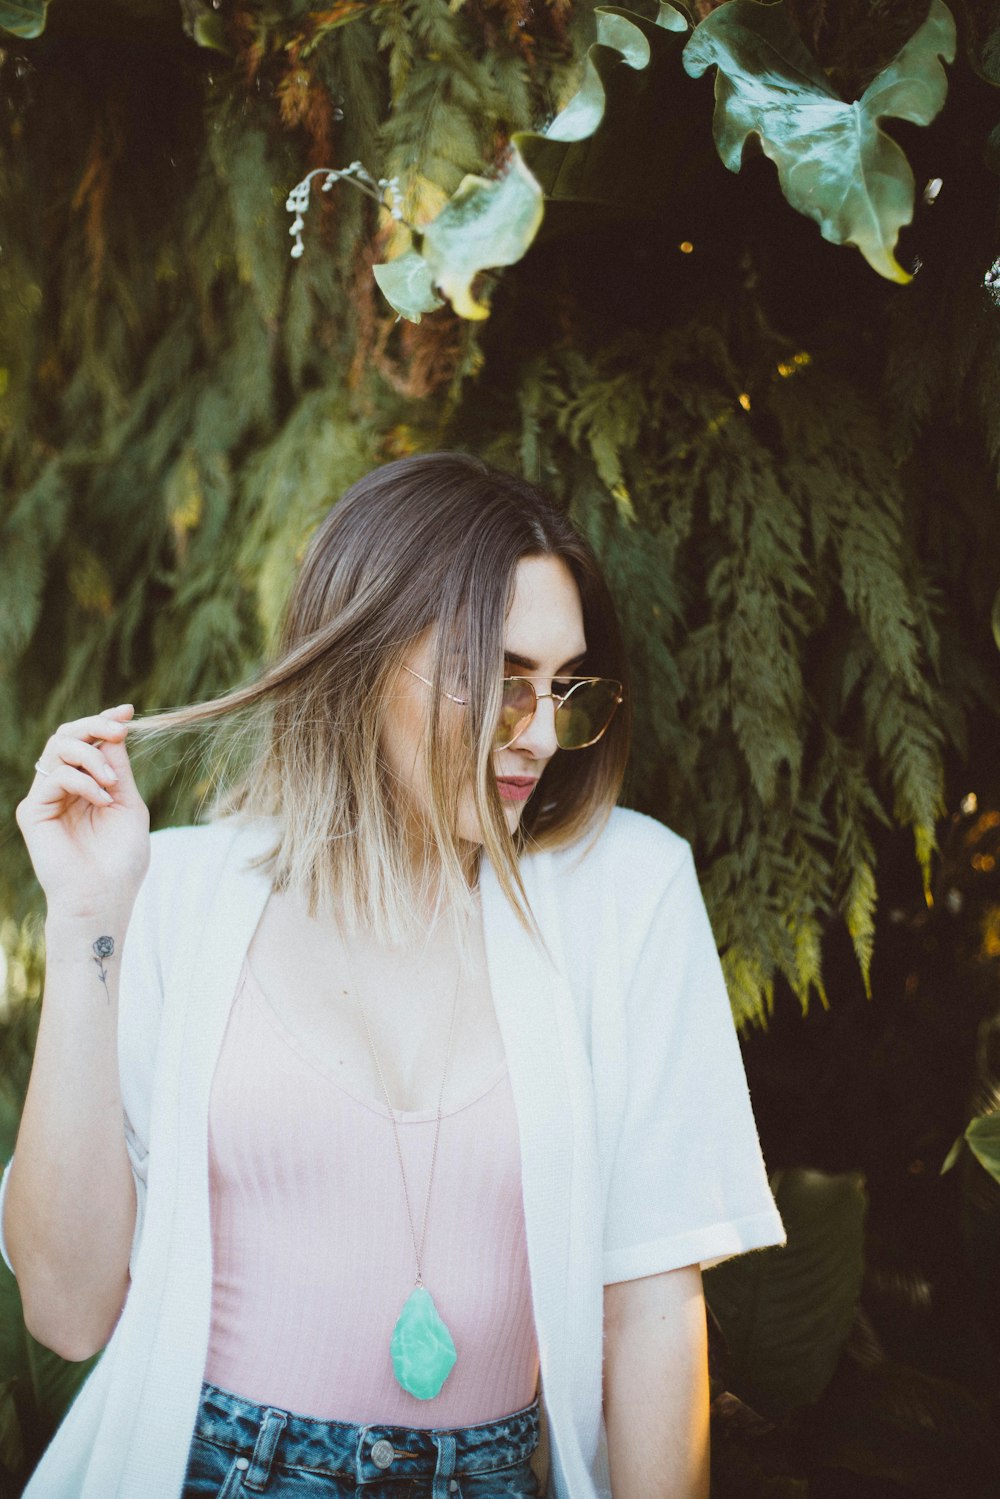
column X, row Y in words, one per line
column 70, row 1207
column 656, row 1386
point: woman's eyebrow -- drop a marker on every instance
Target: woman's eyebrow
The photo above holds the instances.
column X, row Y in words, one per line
column 526, row 664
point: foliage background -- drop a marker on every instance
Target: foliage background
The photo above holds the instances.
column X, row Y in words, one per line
column 788, row 466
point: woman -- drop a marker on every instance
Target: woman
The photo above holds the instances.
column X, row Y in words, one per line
column 426, row 1091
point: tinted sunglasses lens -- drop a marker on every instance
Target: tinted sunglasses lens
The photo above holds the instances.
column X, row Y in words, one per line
column 586, row 713
column 517, row 709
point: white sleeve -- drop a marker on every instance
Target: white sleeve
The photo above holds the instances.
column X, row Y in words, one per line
column 3, row 1200
column 140, row 1007
column 688, row 1184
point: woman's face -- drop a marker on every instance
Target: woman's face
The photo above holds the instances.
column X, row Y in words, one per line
column 543, row 638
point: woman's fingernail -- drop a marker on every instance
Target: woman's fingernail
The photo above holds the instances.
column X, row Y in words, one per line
column 106, row 795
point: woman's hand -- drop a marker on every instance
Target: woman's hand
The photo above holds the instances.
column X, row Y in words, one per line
column 85, row 824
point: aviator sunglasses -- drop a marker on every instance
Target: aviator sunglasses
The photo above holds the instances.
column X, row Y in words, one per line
column 582, row 712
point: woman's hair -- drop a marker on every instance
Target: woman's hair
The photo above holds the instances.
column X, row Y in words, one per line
column 427, row 541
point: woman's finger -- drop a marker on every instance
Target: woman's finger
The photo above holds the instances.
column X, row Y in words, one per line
column 51, row 787
column 97, row 726
column 115, row 753
column 85, row 756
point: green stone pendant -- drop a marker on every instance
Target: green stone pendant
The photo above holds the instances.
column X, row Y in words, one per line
column 423, row 1354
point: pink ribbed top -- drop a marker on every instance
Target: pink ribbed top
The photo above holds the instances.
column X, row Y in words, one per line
column 312, row 1255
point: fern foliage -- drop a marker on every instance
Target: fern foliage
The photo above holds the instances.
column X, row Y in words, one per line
column 788, row 467
column 785, row 682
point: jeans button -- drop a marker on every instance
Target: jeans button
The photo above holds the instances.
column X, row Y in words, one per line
column 383, row 1453
column 243, row 1463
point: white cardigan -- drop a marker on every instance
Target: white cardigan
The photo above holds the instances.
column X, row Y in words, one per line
column 639, row 1151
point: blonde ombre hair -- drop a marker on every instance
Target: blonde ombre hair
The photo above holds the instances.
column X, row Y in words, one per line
column 428, row 542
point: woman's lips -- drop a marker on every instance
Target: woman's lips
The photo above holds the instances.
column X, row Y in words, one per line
column 516, row 788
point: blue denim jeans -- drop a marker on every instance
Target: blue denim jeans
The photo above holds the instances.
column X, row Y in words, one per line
column 242, row 1449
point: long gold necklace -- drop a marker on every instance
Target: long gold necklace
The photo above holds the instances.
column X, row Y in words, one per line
column 422, row 1349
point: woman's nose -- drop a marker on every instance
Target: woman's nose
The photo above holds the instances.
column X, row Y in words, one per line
column 539, row 738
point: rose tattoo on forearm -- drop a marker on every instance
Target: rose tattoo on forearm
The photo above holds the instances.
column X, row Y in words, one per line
column 103, row 948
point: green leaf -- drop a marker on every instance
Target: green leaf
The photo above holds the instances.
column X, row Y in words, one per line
column 979, row 1212
column 952, row 1157
column 13, row 1337
column 44, row 1383
column 620, row 41
column 983, row 1136
column 635, row 135
column 786, row 1312
column 587, row 154
column 11, row 1438
column 859, row 914
column 407, row 285
column 204, row 25
column 486, row 223
column 55, row 1382
column 834, row 163
column 24, row 18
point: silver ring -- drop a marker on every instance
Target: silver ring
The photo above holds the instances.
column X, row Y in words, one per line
column 41, row 769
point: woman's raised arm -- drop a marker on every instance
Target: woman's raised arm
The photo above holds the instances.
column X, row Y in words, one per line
column 69, row 1209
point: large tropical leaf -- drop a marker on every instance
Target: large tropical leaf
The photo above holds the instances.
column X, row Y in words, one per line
column 633, row 138
column 486, row 223
column 786, row 1312
column 588, row 154
column 408, row 284
column 483, row 225
column 834, row 162
column 25, row 18
column 632, row 135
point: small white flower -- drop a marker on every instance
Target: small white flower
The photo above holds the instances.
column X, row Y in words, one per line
column 386, row 191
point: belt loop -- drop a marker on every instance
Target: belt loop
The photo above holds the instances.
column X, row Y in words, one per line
column 445, row 1444
column 259, row 1471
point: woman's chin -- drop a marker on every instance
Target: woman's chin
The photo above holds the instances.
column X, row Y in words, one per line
column 470, row 830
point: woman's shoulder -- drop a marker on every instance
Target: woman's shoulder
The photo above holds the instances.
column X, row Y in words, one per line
column 189, row 854
column 175, row 846
column 631, row 855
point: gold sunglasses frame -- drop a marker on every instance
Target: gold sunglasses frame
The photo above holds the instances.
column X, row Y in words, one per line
column 558, row 698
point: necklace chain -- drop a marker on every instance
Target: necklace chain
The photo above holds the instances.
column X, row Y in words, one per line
column 418, row 1251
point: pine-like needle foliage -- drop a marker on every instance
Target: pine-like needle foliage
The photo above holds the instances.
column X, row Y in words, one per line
column 761, row 447
column 781, row 630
